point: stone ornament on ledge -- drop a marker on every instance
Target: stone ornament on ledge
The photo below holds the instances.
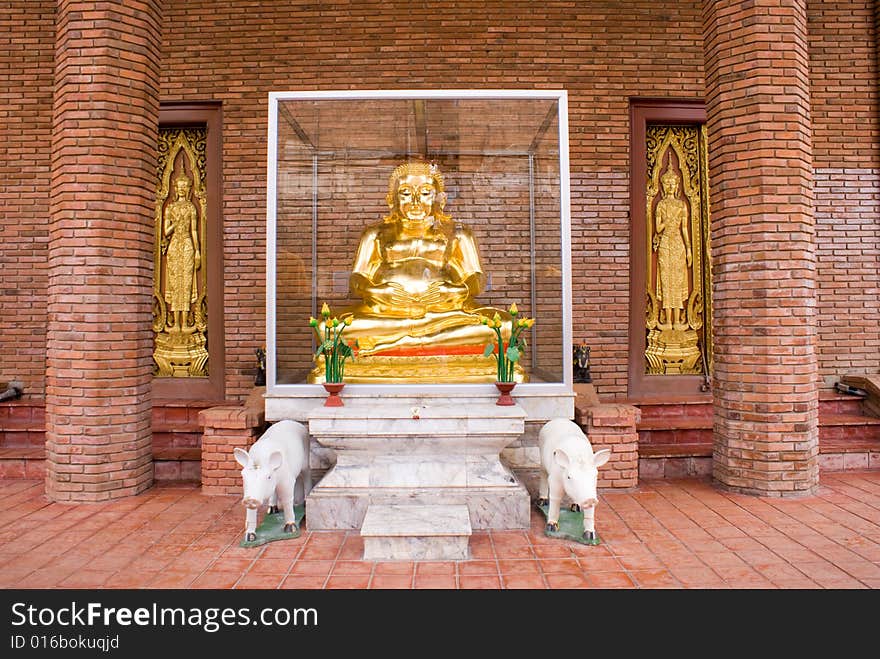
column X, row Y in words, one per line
column 580, row 363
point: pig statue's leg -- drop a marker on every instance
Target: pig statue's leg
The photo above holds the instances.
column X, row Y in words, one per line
column 543, row 489
column 307, row 480
column 298, row 494
column 250, row 525
column 304, row 480
column 589, row 522
column 273, row 504
column 553, row 510
column 303, row 485
column 289, row 514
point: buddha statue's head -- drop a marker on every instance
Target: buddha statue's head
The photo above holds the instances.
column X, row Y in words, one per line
column 416, row 193
column 669, row 181
column 182, row 185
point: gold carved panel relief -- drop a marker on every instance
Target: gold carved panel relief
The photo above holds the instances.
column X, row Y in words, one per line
column 180, row 305
column 678, row 284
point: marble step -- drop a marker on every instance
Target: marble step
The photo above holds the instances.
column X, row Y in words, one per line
column 416, row 532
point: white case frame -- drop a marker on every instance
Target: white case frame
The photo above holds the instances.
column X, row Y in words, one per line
column 542, row 388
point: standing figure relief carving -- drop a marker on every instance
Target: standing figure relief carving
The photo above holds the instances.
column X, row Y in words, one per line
column 180, row 280
column 673, row 246
column 678, row 340
column 182, row 254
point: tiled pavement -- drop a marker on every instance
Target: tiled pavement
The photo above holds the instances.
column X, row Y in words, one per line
column 663, row 534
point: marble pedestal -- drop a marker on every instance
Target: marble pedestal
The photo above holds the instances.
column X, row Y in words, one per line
column 416, row 533
column 392, row 454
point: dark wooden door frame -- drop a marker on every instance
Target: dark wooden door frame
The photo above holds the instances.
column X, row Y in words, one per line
column 642, row 112
column 213, row 387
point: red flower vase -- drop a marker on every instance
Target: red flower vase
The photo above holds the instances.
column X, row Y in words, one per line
column 334, row 399
column 505, row 388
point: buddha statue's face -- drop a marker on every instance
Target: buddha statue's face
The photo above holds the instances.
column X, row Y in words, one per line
column 670, row 186
column 416, row 194
column 182, row 186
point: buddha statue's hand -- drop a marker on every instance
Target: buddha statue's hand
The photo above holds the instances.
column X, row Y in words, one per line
column 442, row 296
column 393, row 299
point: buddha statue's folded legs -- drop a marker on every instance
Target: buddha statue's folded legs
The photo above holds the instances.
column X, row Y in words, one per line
column 433, row 333
column 442, row 347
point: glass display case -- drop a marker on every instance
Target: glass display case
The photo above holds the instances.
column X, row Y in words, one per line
column 503, row 159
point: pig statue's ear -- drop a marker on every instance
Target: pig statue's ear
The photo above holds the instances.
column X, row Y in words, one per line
column 275, row 460
column 241, row 457
column 561, row 458
column 601, row 457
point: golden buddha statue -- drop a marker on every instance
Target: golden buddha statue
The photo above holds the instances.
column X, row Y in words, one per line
column 418, row 272
column 673, row 247
column 180, row 231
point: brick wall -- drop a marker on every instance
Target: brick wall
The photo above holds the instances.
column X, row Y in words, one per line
column 223, row 430
column 213, row 52
column 27, row 48
column 847, row 207
column 843, row 83
column 846, row 156
column 601, row 52
column 614, row 427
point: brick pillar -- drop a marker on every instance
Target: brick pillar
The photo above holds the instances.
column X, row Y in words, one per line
column 225, row 429
column 614, row 427
column 98, row 362
column 763, row 248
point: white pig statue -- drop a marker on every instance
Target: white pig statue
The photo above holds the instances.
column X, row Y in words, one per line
column 569, row 467
column 271, row 469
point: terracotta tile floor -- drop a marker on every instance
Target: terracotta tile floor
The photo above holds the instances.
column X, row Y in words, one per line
column 664, row 534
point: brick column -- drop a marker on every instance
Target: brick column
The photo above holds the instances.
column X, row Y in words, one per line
column 763, row 248
column 224, row 429
column 614, row 427
column 98, row 363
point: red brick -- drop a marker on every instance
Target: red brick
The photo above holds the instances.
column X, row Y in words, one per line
column 208, row 53
column 763, row 248
column 225, row 428
column 98, row 360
